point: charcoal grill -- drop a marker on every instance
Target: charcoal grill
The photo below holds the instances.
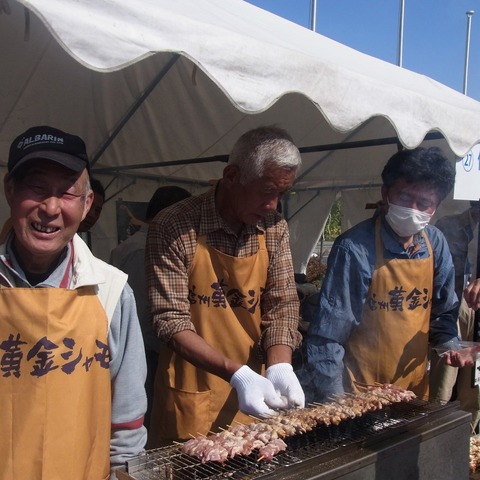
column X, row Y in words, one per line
column 398, row 442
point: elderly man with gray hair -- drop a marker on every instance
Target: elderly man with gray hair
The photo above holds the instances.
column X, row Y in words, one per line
column 223, row 299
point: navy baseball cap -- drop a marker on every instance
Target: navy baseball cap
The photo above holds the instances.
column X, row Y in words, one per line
column 48, row 143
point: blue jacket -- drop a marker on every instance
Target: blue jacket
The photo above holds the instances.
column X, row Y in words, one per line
column 349, row 273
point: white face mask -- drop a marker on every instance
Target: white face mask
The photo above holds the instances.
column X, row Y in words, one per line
column 406, row 221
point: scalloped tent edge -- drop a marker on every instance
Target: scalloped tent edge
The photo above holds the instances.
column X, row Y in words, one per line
column 161, row 90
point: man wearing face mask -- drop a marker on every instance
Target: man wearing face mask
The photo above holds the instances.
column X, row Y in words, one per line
column 389, row 288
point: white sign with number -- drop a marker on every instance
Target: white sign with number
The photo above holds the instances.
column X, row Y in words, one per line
column 467, row 177
column 476, row 374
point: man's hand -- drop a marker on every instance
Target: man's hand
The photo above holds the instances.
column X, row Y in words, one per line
column 472, row 294
column 461, row 358
column 256, row 394
column 286, row 384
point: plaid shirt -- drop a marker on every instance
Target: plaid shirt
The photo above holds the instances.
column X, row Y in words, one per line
column 171, row 245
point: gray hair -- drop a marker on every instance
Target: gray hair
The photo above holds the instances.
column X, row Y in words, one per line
column 263, row 147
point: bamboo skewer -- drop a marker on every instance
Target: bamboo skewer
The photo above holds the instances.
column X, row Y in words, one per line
column 290, row 422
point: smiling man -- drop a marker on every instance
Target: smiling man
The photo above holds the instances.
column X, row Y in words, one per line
column 223, row 296
column 72, row 395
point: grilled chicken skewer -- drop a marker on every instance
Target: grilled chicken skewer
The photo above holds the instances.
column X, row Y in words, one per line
column 266, row 436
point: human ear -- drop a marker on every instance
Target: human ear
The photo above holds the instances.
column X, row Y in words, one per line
column 88, row 204
column 231, row 174
column 8, row 188
column 385, row 194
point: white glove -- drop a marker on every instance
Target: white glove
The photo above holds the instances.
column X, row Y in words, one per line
column 286, row 384
column 255, row 393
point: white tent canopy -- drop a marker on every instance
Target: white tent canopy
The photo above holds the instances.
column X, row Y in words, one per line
column 157, row 88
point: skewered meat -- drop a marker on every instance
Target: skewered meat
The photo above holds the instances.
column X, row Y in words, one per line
column 268, row 451
column 266, row 435
column 474, row 454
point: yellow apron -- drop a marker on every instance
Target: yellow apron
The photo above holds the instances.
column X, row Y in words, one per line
column 391, row 343
column 55, row 402
column 224, row 294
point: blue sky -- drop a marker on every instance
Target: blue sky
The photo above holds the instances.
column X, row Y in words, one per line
column 434, row 38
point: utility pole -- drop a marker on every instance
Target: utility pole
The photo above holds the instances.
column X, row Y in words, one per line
column 313, row 15
column 400, row 34
column 467, row 50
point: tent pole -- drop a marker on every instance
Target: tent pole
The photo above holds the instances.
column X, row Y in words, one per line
column 400, row 33
column 132, row 182
column 313, row 15
column 467, row 50
column 136, row 105
column 312, row 149
column 303, row 206
column 338, row 187
column 215, row 158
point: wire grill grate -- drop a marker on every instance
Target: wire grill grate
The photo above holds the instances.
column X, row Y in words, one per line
column 168, row 463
